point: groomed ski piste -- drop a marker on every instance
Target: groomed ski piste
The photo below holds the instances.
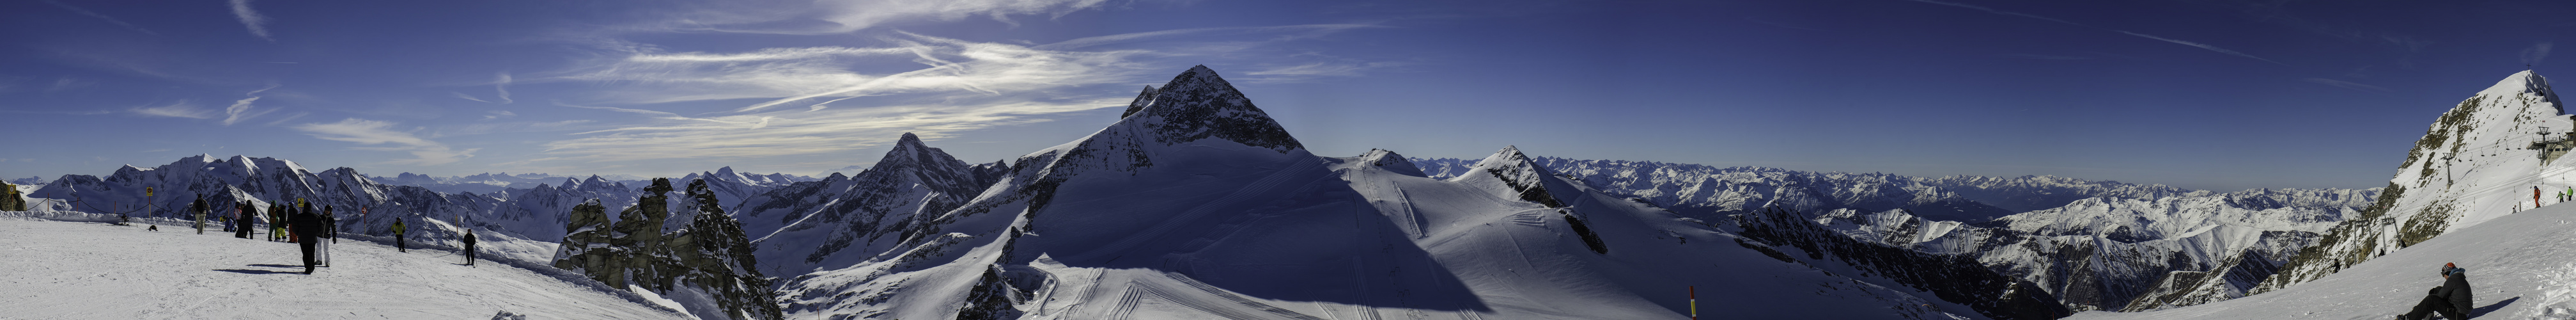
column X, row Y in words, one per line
column 2521, row 266
column 70, row 265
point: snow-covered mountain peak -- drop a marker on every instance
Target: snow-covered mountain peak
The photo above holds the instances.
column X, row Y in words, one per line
column 1200, row 105
column 1521, row 178
column 1391, row 162
column 1511, row 163
column 910, row 153
column 2525, row 82
column 2480, row 161
column 1142, row 99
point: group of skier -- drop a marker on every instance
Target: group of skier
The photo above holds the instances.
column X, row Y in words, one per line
column 300, row 224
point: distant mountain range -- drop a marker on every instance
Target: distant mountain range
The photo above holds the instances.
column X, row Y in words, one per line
column 1195, row 204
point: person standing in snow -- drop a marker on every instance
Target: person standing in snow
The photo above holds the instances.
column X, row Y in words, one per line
column 330, row 224
column 199, row 208
column 276, row 220
column 241, row 215
column 2452, row 299
column 228, row 217
column 305, row 224
column 399, row 244
column 469, row 247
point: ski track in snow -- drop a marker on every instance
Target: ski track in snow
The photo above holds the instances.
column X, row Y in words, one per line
column 75, row 270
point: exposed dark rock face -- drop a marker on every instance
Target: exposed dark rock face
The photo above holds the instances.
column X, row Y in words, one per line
column 711, row 257
column 10, row 199
column 1955, row 278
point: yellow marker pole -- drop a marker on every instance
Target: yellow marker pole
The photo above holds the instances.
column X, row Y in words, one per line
column 1694, row 302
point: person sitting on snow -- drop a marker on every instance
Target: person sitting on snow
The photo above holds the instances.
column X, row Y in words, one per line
column 2452, row 299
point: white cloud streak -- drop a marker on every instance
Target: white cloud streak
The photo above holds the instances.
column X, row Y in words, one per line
column 801, row 132
column 370, row 132
column 111, row 20
column 257, row 23
column 242, row 109
column 2534, row 54
column 2345, row 84
column 854, row 15
column 799, row 74
column 501, row 84
column 462, row 95
column 914, row 83
column 2203, row 46
column 2141, row 35
column 182, row 109
column 2001, row 12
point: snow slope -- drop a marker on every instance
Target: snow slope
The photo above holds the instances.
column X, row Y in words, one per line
column 82, row 270
column 2521, row 266
column 1196, row 205
column 2095, row 245
column 2472, row 165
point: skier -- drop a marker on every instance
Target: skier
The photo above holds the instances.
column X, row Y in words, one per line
column 276, row 225
column 241, row 214
column 2452, row 299
column 305, row 224
column 199, row 208
column 2535, row 197
column 399, row 244
column 469, row 247
column 228, row 217
column 330, row 225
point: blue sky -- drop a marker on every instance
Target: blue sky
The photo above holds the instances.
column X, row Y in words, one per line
column 2219, row 95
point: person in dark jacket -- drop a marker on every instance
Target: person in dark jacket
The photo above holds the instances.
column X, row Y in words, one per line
column 305, row 225
column 241, row 217
column 330, row 224
column 469, row 247
column 199, row 208
column 2452, row 299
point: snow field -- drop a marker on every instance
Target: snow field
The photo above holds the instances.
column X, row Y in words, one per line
column 83, row 270
column 2520, row 266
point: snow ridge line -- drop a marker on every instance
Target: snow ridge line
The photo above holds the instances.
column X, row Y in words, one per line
column 1262, row 186
column 1220, row 293
column 1186, row 301
column 546, row 269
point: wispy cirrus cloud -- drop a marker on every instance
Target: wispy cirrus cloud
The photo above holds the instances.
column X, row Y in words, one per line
column 242, row 109
column 2345, row 84
column 110, row 20
column 2534, row 54
column 841, row 16
column 913, row 63
column 257, row 23
column 2203, row 46
column 500, row 88
column 1310, row 71
column 916, row 83
column 2001, row 12
column 181, row 109
column 1287, row 32
column 370, row 132
column 785, row 133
